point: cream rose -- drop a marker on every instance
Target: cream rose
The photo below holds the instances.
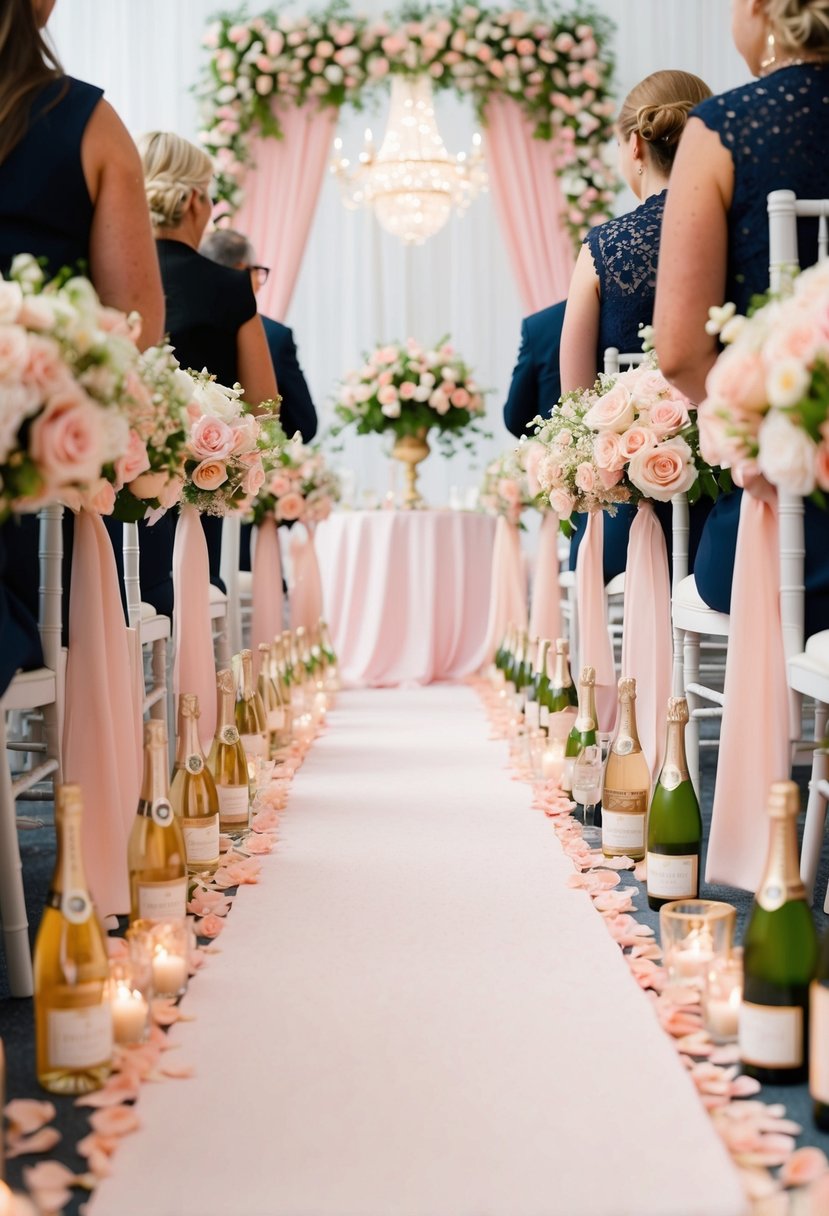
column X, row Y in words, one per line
column 211, row 437
column 133, row 462
column 14, row 351
column 254, row 479
column 668, row 416
column 787, row 455
column 65, row 439
column 562, row 503
column 290, row 505
column 608, row 453
column 612, row 412
column 210, row 474
column 737, row 381
column 634, row 439
column 586, row 478
column 665, row 470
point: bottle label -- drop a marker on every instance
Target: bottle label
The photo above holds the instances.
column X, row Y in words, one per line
column 80, row 1038
column 76, row 907
column 161, row 812
column 673, row 877
column 543, row 716
column 234, row 803
column 229, row 735
column 771, row 1036
column 162, row 900
column 201, row 839
column 623, row 830
column 819, row 1042
column 194, row 763
column 255, row 745
column 532, row 715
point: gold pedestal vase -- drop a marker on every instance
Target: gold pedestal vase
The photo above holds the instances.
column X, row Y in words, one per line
column 411, row 449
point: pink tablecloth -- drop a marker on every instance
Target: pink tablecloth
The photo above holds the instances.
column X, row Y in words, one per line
column 406, row 593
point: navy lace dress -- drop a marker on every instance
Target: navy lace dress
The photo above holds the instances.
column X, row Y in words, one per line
column 775, row 130
column 45, row 209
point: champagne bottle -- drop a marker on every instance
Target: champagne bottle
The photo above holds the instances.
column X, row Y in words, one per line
column 563, row 694
column 675, row 823
column 250, row 718
column 272, row 702
column 584, row 729
column 819, row 1038
column 227, row 761
column 627, row 784
column 193, row 793
column 156, row 855
column 779, row 957
column 288, row 658
column 73, row 1015
column 277, row 675
column 537, row 686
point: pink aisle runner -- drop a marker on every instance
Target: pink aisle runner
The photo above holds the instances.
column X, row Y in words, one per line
column 412, row 1014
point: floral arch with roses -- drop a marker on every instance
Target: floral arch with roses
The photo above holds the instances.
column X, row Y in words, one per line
column 556, row 66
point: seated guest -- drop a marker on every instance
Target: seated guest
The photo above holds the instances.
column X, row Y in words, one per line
column 297, row 412
column 536, row 380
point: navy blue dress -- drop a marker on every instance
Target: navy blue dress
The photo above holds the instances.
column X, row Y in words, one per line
column 775, row 130
column 45, row 210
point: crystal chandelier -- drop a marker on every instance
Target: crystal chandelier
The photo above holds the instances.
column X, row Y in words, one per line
column 412, row 182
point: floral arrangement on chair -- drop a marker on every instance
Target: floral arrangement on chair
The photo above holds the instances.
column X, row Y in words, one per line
column 409, row 389
column 300, row 487
column 510, row 482
column 767, row 404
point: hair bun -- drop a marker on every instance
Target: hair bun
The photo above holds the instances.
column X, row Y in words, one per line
column 663, row 123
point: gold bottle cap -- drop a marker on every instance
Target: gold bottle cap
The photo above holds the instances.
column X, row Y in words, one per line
column 627, row 688
column 784, row 800
column 245, row 655
column 588, row 675
column 224, row 680
column 562, row 646
column 155, row 732
column 677, row 709
column 188, row 705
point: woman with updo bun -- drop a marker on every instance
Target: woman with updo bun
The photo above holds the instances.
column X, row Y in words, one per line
column 770, row 134
column 612, row 289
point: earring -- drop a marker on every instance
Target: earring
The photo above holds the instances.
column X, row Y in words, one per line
column 770, row 57
column 641, row 169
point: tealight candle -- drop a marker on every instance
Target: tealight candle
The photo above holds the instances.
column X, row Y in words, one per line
column 723, row 998
column 553, row 761
column 696, row 934
column 169, row 972
column 129, row 1013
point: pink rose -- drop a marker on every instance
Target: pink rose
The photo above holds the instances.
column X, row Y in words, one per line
column 133, row 462
column 634, row 439
column 737, row 381
column 245, row 435
column 509, row 490
column 610, row 477
column 170, row 493
column 253, row 480
column 608, row 452
column 663, row 471
column 387, row 395
column 45, row 366
column 211, row 437
column 562, row 503
column 787, row 454
column 209, row 475
column 289, row 506
column 586, row 478
column 14, row 351
column 210, row 925
column 147, row 485
column 668, row 417
column 407, row 390
column 66, row 439
column 533, row 456
column 460, row 398
column 100, row 497
column 718, row 442
column 613, row 412
column 280, row 484
column 822, row 466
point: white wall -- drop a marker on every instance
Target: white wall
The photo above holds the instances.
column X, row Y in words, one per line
column 358, row 285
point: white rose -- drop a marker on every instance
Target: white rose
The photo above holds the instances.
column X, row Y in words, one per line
column 787, row 382
column 215, row 399
column 787, row 454
column 391, row 409
column 422, row 392
column 612, row 412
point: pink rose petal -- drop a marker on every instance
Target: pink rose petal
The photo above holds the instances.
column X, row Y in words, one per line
column 47, row 1175
column 115, row 1121
column 42, row 1141
column 28, row 1114
column 804, row 1166
column 178, row 1072
column 120, row 1087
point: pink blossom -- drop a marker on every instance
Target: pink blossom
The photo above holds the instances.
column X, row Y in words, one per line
column 148, row 485
column 254, row 479
column 586, row 477
column 460, row 398
column 14, row 351
column 210, row 925
column 133, row 462
column 562, row 503
column 737, row 381
column 209, row 475
column 509, row 489
column 668, row 417
column 635, row 438
column 608, row 452
column 66, row 439
column 663, row 471
column 407, row 390
column 100, row 497
column 614, row 411
column 387, row 395
column 279, row 484
column 290, row 506
column 385, row 378
column 170, row 492
column 211, row 437
column 45, row 367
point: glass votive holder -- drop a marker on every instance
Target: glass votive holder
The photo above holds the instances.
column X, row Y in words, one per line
column 695, row 933
column 722, row 997
column 170, row 957
column 553, row 760
column 129, row 995
column 536, row 745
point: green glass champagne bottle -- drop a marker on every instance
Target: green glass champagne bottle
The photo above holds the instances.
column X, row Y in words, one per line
column 779, row 957
column 563, row 694
column 537, row 685
column 585, row 726
column 819, row 1038
column 675, row 822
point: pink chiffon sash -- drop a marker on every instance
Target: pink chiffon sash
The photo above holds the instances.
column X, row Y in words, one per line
column 266, row 619
column 194, row 667
column 545, row 611
column 100, row 734
column 595, row 648
column 508, row 587
column 647, row 641
column 306, row 592
column 754, row 738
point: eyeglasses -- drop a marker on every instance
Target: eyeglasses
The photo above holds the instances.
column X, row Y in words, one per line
column 260, row 274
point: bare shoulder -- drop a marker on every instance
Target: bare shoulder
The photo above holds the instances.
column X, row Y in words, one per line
column 107, row 148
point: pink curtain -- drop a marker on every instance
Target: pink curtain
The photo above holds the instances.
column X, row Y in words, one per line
column 529, row 203
column 595, row 649
column 266, row 620
column 280, row 197
column 754, row 738
column 545, row 612
column 508, row 587
column 647, row 638
column 101, row 729
column 306, row 592
column 194, row 667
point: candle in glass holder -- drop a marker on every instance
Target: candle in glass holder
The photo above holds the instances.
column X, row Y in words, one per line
column 553, row 760
column 129, row 1013
column 723, row 998
column 169, row 972
column 695, row 934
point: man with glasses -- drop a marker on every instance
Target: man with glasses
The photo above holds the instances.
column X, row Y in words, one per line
column 297, row 412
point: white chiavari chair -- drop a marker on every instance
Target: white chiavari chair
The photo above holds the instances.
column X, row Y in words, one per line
column 31, row 691
column 150, row 633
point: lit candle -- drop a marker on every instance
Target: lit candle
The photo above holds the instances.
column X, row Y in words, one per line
column 129, row 1014
column 552, row 765
column 722, row 1015
column 169, row 972
column 692, row 956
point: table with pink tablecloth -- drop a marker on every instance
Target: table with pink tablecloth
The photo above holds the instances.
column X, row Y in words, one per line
column 406, row 593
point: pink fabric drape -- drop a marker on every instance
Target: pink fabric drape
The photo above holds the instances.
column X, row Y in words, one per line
column 529, row 203
column 595, row 649
column 754, row 738
column 194, row 667
column 306, row 592
column 508, row 587
column 647, row 638
column 101, row 730
column 266, row 619
column 280, row 197
column 545, row 610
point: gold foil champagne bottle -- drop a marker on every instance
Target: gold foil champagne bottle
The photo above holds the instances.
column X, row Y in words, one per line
column 674, row 823
column 585, row 726
column 250, row 718
column 73, row 1015
column 156, row 854
column 272, row 701
column 193, row 793
column 227, row 761
column 627, row 784
column 779, row 956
